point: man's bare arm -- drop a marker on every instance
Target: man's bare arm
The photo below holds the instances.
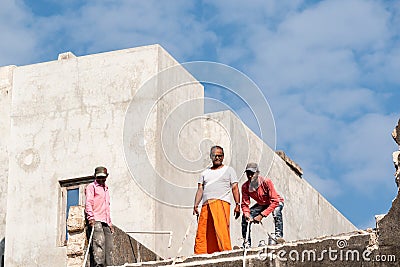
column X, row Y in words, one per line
column 236, row 197
column 197, row 199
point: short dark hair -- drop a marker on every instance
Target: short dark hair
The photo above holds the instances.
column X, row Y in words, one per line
column 215, row 147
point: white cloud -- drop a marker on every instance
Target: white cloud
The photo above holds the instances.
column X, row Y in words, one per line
column 319, row 46
column 342, row 103
column 311, row 66
column 329, row 188
column 324, row 67
column 364, row 152
column 18, row 42
column 338, row 23
column 383, row 66
column 102, row 26
column 251, row 12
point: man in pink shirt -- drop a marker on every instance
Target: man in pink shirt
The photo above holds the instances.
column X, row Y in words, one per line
column 98, row 214
column 262, row 190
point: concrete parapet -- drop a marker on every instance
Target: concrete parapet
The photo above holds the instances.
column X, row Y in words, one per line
column 293, row 165
column 380, row 247
column 66, row 55
column 351, row 249
column 126, row 249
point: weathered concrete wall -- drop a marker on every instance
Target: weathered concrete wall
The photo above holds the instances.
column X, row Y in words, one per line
column 378, row 247
column 6, row 81
column 306, row 213
column 67, row 117
column 125, row 250
column 359, row 248
column 168, row 144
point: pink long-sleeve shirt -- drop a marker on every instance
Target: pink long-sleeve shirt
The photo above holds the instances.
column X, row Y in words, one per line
column 264, row 195
column 98, row 203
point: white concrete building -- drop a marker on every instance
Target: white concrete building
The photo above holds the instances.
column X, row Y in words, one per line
column 61, row 119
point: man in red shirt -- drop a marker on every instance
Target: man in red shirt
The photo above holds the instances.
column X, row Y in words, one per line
column 262, row 190
column 98, row 214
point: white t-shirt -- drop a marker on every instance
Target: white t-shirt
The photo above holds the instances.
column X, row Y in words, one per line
column 217, row 183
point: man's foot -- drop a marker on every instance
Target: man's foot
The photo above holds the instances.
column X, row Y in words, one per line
column 280, row 240
column 246, row 245
column 262, row 243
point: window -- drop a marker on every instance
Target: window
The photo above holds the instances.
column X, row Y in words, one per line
column 72, row 193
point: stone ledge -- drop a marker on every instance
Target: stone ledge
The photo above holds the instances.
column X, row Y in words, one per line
column 66, row 55
column 267, row 256
column 357, row 248
column 396, row 133
column 293, row 165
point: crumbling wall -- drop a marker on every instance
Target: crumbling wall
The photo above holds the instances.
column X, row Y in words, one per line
column 370, row 248
column 359, row 248
column 126, row 249
column 77, row 239
column 396, row 154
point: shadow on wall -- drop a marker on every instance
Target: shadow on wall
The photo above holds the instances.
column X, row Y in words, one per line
column 2, row 246
column 126, row 249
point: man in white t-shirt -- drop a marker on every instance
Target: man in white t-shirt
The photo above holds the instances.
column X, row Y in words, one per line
column 214, row 185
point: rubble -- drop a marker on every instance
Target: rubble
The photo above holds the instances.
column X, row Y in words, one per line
column 77, row 239
column 293, row 165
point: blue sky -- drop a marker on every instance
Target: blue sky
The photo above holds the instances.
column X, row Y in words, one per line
column 329, row 70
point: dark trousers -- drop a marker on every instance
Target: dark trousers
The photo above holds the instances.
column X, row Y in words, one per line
column 256, row 210
column 102, row 245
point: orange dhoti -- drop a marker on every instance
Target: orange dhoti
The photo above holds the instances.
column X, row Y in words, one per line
column 213, row 232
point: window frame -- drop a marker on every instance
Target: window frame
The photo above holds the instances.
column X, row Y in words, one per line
column 64, row 186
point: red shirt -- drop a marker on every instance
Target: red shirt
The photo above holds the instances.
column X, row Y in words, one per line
column 98, row 203
column 264, row 195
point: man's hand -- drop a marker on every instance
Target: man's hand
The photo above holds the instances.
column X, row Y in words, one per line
column 237, row 211
column 248, row 217
column 91, row 222
column 195, row 211
column 257, row 219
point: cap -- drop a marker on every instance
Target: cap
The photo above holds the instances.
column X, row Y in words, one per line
column 252, row 167
column 100, row 172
